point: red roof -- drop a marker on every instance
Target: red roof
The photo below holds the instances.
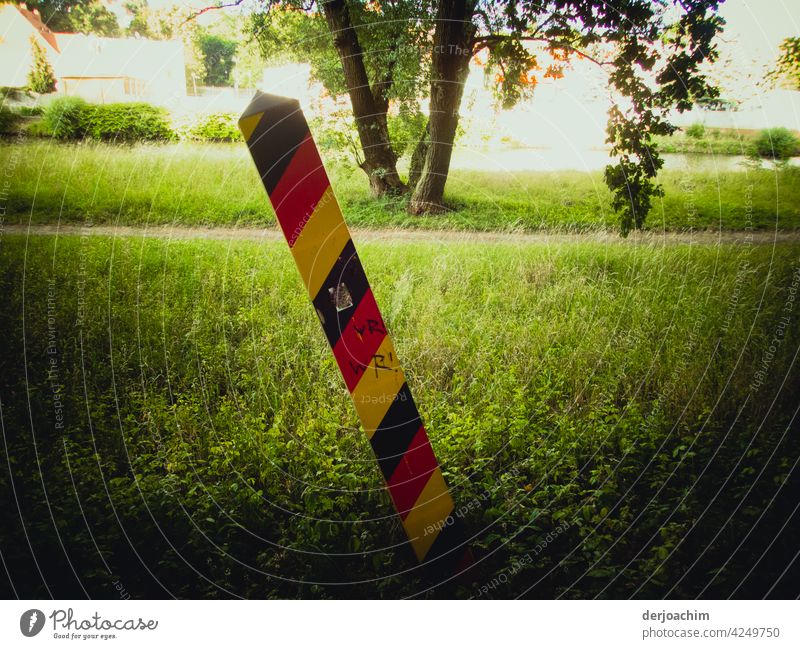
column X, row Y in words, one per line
column 45, row 32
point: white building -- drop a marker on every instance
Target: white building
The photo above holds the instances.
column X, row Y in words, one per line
column 96, row 68
column 18, row 27
column 105, row 70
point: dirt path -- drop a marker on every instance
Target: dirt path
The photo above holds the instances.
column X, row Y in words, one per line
column 270, row 234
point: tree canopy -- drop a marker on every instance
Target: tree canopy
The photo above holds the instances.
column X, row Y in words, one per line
column 396, row 52
column 218, row 58
column 81, row 16
column 788, row 65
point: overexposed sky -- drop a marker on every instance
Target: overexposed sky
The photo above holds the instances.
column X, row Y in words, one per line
column 749, row 45
column 756, row 27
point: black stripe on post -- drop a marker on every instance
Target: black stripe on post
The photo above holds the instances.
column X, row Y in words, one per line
column 345, row 285
column 448, row 551
column 275, row 139
column 398, row 427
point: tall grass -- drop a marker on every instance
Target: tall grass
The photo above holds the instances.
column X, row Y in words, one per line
column 216, row 184
column 209, row 447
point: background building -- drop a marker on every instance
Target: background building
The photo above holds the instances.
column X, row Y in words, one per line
column 99, row 69
column 18, row 28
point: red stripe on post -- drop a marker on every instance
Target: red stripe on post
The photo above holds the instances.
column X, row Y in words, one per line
column 299, row 190
column 359, row 341
column 412, row 473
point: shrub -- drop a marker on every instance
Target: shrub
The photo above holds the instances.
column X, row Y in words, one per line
column 38, row 128
column 73, row 118
column 65, row 117
column 9, row 93
column 216, row 127
column 406, row 128
column 41, row 78
column 127, row 122
column 30, row 111
column 777, row 143
column 696, row 131
column 8, row 120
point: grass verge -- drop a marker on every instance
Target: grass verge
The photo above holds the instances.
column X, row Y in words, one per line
column 216, row 184
column 613, row 418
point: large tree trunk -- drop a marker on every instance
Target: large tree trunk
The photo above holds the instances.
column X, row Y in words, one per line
column 380, row 161
column 452, row 50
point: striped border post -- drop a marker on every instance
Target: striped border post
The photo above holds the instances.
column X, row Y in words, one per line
column 288, row 162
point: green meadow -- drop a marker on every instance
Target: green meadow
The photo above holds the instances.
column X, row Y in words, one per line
column 615, row 420
column 216, row 184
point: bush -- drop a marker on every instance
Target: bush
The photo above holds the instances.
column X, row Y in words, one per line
column 41, row 78
column 9, row 93
column 406, row 128
column 696, row 131
column 30, row 111
column 73, row 118
column 38, row 128
column 777, row 144
column 8, row 120
column 127, row 122
column 216, row 127
column 65, row 118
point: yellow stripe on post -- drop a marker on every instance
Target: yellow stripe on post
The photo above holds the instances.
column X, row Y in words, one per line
column 378, row 387
column 320, row 242
column 248, row 124
column 429, row 514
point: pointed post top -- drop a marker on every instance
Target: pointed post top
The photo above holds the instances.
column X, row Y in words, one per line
column 263, row 102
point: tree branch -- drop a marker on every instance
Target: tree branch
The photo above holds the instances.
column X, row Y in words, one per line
column 487, row 41
column 221, row 5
